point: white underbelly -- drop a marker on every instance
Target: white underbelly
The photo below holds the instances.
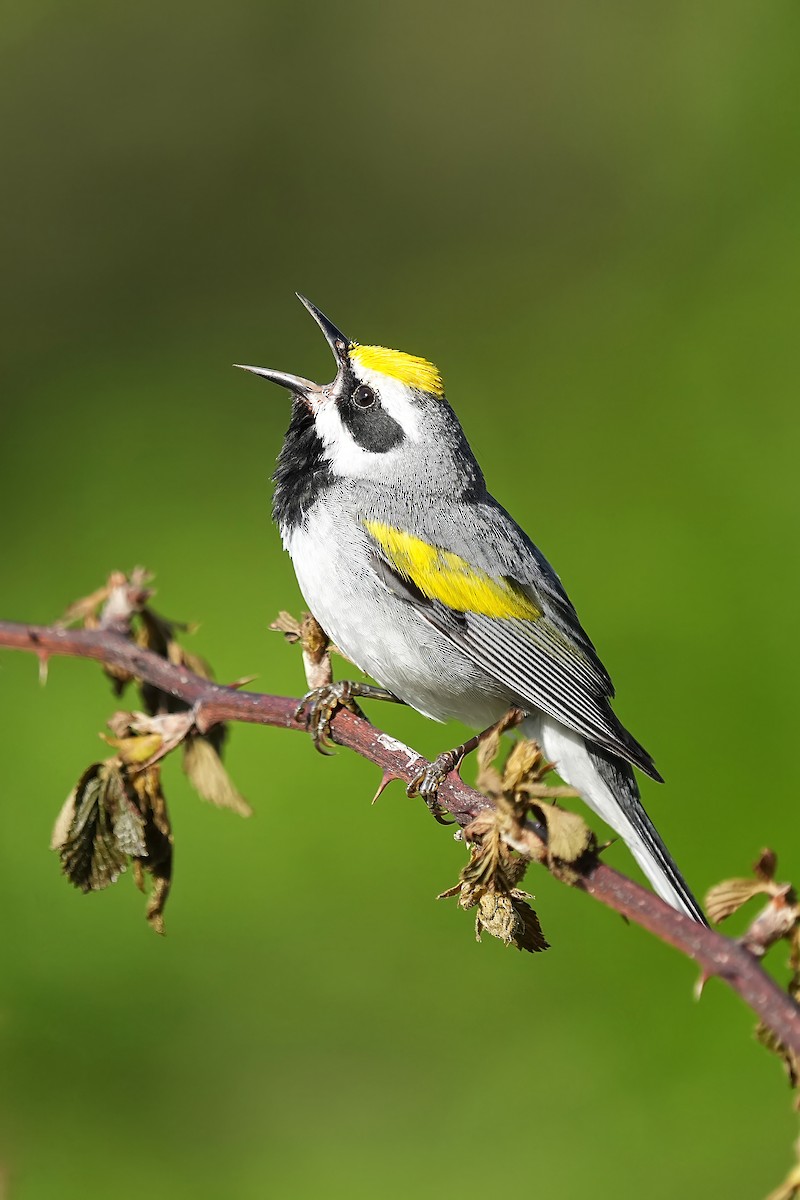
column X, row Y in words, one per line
column 382, row 633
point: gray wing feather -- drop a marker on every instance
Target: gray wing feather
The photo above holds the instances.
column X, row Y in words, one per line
column 549, row 663
column 519, row 654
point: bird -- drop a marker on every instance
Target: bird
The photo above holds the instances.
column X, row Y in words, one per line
column 425, row 582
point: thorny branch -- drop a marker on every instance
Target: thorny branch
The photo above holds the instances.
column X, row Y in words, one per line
column 214, row 703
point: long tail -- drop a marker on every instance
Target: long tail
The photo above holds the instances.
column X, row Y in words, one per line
column 609, row 787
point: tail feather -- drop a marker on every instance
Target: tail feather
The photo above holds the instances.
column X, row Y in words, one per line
column 608, row 786
column 648, row 848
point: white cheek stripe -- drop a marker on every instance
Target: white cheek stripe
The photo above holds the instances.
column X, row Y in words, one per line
column 342, row 450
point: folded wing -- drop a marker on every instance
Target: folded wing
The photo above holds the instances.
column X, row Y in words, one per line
column 523, row 633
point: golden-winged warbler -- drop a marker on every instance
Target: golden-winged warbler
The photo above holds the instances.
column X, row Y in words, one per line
column 425, row 582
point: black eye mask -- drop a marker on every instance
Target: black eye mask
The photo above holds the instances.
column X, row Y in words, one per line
column 367, row 420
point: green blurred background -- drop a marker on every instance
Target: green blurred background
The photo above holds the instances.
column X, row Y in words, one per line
column 587, row 215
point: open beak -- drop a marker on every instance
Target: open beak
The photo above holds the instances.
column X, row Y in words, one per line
column 311, row 393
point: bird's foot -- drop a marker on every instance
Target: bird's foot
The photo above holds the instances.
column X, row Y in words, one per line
column 320, row 704
column 427, row 783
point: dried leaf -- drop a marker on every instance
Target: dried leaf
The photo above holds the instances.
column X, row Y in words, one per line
column 568, row 835
column 158, row 898
column 113, row 607
column 119, row 678
column 317, row 646
column 525, row 770
column 129, row 831
column 172, row 728
column 509, row 918
column 120, row 723
column 91, row 856
column 141, row 740
column 790, row 1060
column 727, row 897
column 486, row 821
column 135, row 751
column 288, row 625
column 778, row 920
column 117, row 814
column 525, row 764
column 156, row 633
column 159, row 843
column 86, row 607
column 63, row 821
column 159, row 634
column 484, row 871
column 547, row 791
column 489, row 779
column 113, row 604
column 488, row 881
column 203, row 765
column 147, row 785
column 765, row 866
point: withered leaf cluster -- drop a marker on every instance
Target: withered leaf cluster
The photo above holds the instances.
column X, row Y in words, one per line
column 117, row 813
column 778, row 920
column 502, row 844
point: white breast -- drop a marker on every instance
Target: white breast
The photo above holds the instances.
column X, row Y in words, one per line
column 381, row 633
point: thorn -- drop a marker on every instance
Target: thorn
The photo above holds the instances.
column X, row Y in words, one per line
column 387, row 778
column 44, row 661
column 697, row 990
column 243, row 682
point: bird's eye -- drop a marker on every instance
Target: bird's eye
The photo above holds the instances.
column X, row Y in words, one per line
column 363, row 396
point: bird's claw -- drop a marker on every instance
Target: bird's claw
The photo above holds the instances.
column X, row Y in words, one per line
column 319, row 706
column 428, row 782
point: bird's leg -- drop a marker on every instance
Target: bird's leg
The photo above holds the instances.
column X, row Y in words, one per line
column 428, row 782
column 319, row 705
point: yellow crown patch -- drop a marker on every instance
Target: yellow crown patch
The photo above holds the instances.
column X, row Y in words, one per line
column 407, row 368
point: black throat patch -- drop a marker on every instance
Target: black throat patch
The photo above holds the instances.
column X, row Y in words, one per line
column 302, row 473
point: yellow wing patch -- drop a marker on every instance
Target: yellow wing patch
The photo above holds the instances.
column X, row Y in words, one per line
column 441, row 575
column 407, row 368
